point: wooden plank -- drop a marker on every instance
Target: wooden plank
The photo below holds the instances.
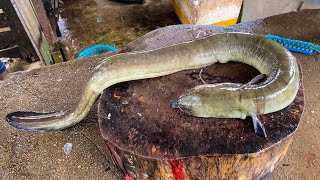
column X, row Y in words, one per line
column 31, row 25
column 5, row 29
column 44, row 22
column 17, row 35
column 15, row 46
column 12, row 52
column 7, row 39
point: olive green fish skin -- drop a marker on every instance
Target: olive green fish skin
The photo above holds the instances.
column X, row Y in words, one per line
column 219, row 100
column 230, row 100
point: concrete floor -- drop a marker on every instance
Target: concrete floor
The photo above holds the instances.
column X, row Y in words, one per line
column 25, row 155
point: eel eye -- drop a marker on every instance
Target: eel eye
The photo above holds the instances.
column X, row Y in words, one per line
column 176, row 105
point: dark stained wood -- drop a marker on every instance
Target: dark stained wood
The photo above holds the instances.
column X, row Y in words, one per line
column 44, row 22
column 143, row 128
column 7, row 39
column 17, row 35
column 150, row 140
column 12, row 52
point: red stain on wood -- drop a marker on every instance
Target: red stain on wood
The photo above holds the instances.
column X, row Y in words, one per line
column 128, row 177
column 177, row 169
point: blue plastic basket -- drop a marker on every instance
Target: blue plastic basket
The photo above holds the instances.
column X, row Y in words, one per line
column 2, row 67
column 95, row 50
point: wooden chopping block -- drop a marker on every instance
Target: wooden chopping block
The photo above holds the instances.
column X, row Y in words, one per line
column 150, row 140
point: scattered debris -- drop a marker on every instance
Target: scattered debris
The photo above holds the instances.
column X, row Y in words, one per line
column 125, row 102
column 99, row 20
column 67, row 148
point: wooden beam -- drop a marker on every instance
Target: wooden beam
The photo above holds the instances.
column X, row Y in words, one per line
column 5, row 29
column 27, row 16
column 12, row 52
column 44, row 22
column 17, row 35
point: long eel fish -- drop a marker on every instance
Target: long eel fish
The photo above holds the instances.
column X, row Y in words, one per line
column 272, row 93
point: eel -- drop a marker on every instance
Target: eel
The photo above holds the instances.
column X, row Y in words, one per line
column 274, row 92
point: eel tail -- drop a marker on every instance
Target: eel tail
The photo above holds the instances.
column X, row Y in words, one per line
column 52, row 121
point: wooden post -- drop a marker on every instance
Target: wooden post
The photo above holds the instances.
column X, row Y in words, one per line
column 44, row 22
column 26, row 14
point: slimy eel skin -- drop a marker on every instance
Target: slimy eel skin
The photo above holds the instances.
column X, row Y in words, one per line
column 226, row 100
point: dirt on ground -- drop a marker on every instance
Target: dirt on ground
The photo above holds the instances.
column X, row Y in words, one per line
column 25, row 155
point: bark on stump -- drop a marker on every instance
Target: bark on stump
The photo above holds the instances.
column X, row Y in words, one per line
column 150, row 140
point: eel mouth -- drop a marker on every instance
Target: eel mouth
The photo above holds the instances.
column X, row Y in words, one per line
column 32, row 121
column 183, row 108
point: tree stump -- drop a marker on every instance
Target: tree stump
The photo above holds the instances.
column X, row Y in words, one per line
column 150, row 140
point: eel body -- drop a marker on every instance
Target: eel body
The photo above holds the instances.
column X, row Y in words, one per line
column 225, row 100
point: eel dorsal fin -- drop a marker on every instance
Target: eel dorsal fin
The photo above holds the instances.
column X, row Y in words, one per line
column 30, row 121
